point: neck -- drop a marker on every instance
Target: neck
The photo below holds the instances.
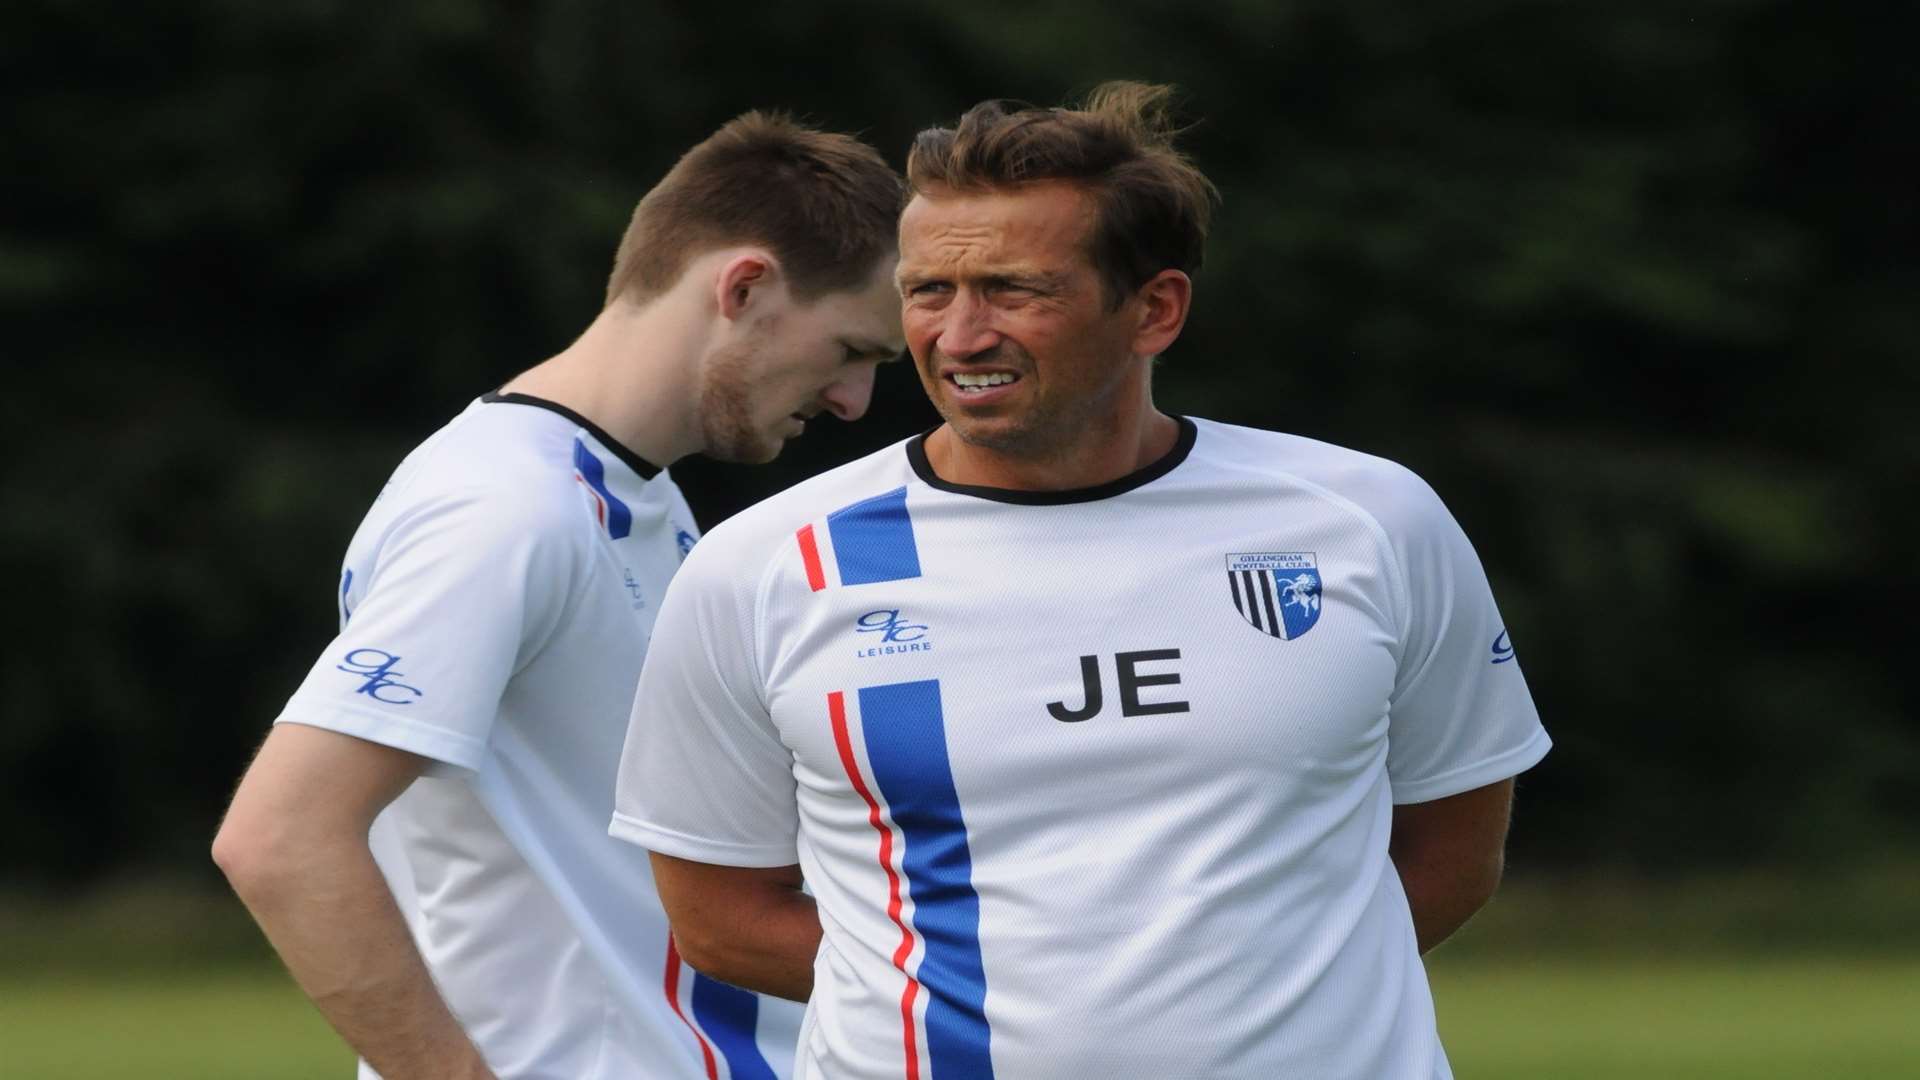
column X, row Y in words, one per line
column 1099, row 454
column 634, row 373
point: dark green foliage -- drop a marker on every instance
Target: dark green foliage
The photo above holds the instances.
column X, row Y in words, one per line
column 1631, row 284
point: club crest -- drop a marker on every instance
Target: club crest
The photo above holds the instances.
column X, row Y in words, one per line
column 1277, row 592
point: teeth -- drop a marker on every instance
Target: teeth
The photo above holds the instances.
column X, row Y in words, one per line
column 967, row 380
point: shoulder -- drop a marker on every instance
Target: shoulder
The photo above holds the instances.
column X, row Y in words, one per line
column 492, row 475
column 1383, row 491
column 776, row 518
column 742, row 546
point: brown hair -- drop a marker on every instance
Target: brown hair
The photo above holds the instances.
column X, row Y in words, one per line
column 824, row 204
column 1152, row 204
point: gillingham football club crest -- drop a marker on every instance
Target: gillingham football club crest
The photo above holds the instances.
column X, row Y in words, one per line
column 1277, row 592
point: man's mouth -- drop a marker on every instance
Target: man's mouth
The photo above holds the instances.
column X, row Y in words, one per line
column 978, row 382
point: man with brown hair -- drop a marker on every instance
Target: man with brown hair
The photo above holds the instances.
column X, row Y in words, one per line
column 1110, row 743
column 494, row 608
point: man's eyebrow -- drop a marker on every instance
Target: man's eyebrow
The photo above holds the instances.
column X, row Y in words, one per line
column 1023, row 275
column 1044, row 280
column 858, row 350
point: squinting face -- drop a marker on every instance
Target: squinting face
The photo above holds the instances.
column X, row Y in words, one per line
column 798, row 360
column 1008, row 323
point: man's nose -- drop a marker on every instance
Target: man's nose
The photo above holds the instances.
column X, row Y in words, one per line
column 966, row 328
column 848, row 396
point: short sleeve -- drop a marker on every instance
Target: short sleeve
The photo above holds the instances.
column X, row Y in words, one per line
column 1460, row 716
column 704, row 775
column 439, row 609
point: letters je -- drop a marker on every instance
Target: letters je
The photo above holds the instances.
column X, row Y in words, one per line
column 1131, row 679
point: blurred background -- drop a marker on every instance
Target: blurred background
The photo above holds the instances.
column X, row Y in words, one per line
column 1631, row 284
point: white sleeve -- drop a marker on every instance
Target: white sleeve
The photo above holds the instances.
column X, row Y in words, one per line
column 704, row 775
column 444, row 606
column 1460, row 716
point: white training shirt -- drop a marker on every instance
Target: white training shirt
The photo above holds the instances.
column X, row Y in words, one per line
column 1093, row 783
column 495, row 606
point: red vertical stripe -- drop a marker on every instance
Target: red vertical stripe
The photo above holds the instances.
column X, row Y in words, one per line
column 599, row 505
column 673, row 999
column 810, row 554
column 837, row 708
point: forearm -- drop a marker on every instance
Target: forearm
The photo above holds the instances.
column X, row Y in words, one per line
column 752, row 928
column 327, row 910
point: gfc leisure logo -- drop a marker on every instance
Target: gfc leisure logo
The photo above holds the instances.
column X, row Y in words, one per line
column 897, row 635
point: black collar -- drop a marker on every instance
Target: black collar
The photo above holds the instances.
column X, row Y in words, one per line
column 917, row 455
column 638, row 464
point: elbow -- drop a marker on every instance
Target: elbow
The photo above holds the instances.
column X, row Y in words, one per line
column 256, row 856
column 706, row 952
column 1487, row 881
column 1494, row 870
column 1473, row 885
column 236, row 854
column 1458, row 886
column 728, row 953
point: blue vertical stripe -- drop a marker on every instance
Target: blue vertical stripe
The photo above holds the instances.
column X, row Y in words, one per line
column 730, row 1016
column 619, row 518
column 873, row 540
column 907, row 747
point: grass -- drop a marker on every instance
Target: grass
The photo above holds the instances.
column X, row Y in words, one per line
column 1567, row 1019
column 1680, row 1019
column 197, row 1025
column 1587, row 980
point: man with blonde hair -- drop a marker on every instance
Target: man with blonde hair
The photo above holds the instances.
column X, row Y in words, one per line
column 494, row 609
column 1111, row 743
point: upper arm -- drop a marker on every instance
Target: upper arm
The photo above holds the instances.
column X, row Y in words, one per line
column 706, row 893
column 308, row 782
column 1460, row 714
column 704, row 774
column 1467, row 831
column 1449, row 854
column 751, row 926
column 452, row 597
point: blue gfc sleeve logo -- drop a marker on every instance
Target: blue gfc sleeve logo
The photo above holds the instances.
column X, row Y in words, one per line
column 1502, row 648
column 382, row 683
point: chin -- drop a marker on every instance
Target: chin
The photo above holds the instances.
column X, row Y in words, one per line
column 1001, row 434
column 746, row 451
column 758, row 454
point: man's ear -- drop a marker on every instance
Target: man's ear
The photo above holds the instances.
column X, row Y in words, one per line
column 1163, row 304
column 741, row 281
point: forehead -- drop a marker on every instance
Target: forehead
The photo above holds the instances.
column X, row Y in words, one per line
column 1039, row 224
column 871, row 308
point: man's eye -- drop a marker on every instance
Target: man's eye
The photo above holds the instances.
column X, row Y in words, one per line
column 927, row 288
